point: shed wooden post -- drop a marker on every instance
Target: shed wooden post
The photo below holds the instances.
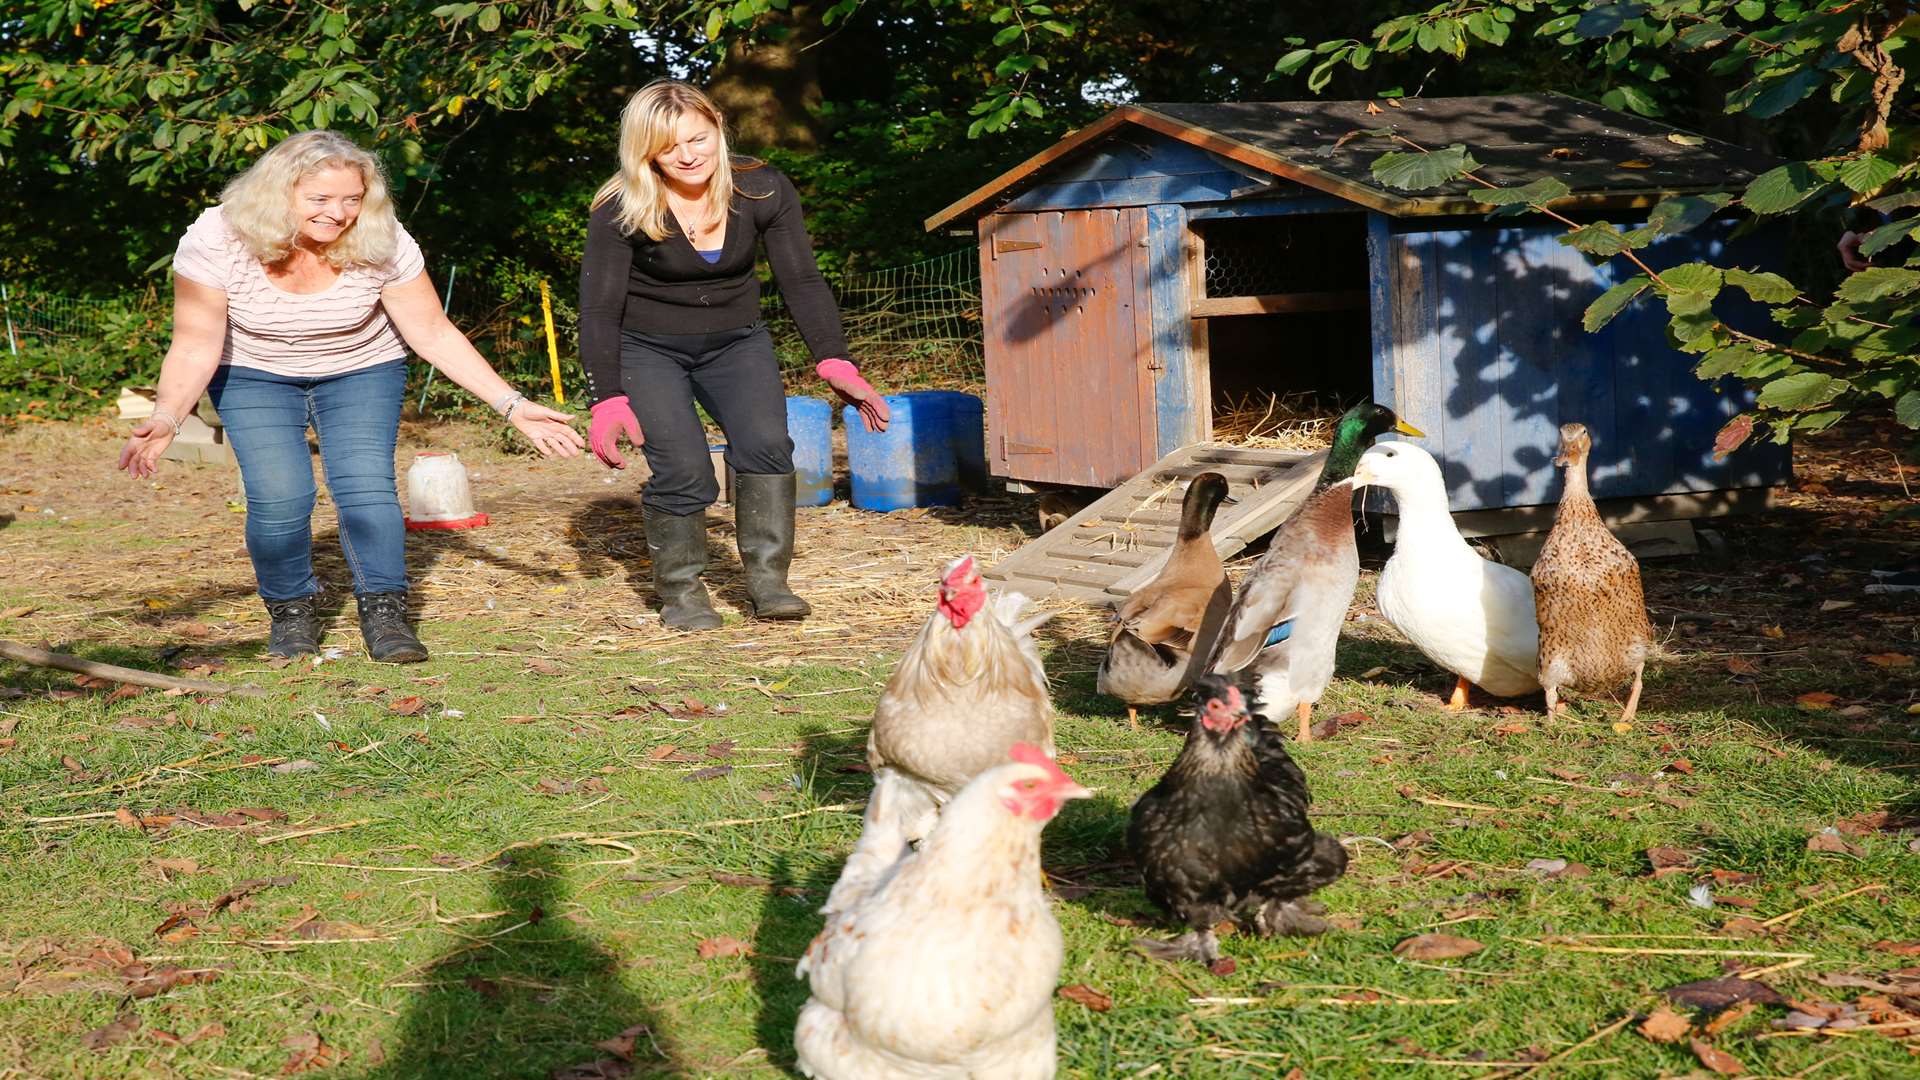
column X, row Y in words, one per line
column 1180, row 404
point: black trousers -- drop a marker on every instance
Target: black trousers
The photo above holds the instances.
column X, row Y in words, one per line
column 734, row 376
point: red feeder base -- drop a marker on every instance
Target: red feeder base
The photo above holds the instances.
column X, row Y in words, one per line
column 462, row 523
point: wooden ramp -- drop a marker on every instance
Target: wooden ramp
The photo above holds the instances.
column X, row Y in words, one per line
column 1112, row 547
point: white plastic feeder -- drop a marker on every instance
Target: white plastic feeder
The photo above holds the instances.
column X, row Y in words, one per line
column 438, row 496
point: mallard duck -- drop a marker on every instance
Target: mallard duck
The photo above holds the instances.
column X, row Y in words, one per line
column 1286, row 620
column 1471, row 616
column 1168, row 622
column 1586, row 593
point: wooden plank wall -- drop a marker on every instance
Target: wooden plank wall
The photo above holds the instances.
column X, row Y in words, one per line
column 1488, row 357
column 1068, row 385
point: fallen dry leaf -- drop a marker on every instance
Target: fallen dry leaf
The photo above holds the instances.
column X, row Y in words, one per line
column 1728, row 1018
column 544, row 667
column 1712, row 995
column 310, row 1052
column 712, row 773
column 1223, row 967
column 1889, row 660
column 1774, row 632
column 1668, row 859
column 16, row 612
column 1718, row 1060
column 1898, row 948
column 107, row 1035
column 1829, row 840
column 1637, row 163
column 740, row 881
column 1088, row 996
column 1681, row 765
column 407, row 706
column 1436, row 947
column 143, row 983
column 713, row 947
column 621, row 1045
column 1740, row 666
column 1666, row 1026
column 1817, row 701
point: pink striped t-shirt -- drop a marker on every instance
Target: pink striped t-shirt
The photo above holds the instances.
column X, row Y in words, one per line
column 341, row 328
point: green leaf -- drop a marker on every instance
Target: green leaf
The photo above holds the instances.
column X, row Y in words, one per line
column 1692, row 277
column 1541, row 191
column 1779, row 190
column 1293, row 61
column 1907, row 409
column 1417, row 171
column 1899, row 200
column 1886, row 236
column 1720, row 363
column 1603, row 20
column 1703, row 36
column 1776, row 96
column 490, row 18
column 1868, row 173
column 1057, row 27
column 1637, row 100
column 1613, row 302
column 1819, row 421
column 715, row 20
column 1678, row 215
column 1557, row 26
column 1801, row 390
column 1691, row 327
column 1878, row 283
column 1598, row 238
column 1767, row 288
column 1751, row 10
column 1008, row 33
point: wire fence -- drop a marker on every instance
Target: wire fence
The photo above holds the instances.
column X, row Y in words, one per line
column 907, row 326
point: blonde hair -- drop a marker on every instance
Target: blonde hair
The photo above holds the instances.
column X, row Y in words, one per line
column 259, row 202
column 647, row 131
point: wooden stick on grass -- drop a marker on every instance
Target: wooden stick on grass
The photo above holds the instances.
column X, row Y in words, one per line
column 27, row 654
column 1796, row 912
column 342, row 827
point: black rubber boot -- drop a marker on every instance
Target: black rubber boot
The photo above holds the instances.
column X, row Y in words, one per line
column 678, row 546
column 763, row 523
column 383, row 626
column 296, row 627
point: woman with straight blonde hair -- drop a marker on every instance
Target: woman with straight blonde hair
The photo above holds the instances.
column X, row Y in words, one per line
column 670, row 316
column 295, row 300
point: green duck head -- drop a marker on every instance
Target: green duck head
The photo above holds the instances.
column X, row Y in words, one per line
column 1354, row 432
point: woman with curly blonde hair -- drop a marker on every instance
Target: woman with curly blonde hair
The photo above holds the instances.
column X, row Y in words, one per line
column 670, row 316
column 295, row 300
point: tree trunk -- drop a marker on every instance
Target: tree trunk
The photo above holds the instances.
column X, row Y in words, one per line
column 769, row 88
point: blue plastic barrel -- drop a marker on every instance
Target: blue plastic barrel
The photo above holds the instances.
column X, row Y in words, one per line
column 967, row 423
column 912, row 463
column 810, row 424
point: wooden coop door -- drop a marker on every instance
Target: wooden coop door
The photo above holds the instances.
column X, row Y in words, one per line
column 1069, row 387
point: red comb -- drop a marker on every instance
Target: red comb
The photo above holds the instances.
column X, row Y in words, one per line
column 1029, row 754
column 959, row 571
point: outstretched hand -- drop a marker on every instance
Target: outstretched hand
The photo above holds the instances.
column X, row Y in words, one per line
column 856, row 391
column 141, row 455
column 549, row 430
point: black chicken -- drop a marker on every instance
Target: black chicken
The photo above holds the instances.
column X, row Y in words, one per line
column 1224, row 834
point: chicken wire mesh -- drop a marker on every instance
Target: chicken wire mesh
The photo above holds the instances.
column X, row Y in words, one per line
column 1239, row 264
column 916, row 325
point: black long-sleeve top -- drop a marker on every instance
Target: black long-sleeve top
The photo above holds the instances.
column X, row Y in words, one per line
column 666, row 287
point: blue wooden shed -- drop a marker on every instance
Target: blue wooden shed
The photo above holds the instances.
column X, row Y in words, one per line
column 1147, row 265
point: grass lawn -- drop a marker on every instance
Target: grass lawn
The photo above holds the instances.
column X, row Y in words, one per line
column 571, row 828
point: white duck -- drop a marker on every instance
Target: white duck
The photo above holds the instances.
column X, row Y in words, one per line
column 1471, row 616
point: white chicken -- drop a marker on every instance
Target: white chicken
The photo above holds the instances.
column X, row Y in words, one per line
column 944, row 966
column 969, row 687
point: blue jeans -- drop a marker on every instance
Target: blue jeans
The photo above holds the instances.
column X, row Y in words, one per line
column 357, row 418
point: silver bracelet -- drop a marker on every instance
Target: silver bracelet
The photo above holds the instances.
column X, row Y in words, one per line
column 511, row 406
column 172, row 420
column 505, row 405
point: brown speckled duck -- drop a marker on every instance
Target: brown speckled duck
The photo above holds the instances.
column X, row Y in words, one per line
column 1594, row 633
column 1164, row 632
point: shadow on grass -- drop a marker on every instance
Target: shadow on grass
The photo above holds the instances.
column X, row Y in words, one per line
column 525, row 995
column 787, row 926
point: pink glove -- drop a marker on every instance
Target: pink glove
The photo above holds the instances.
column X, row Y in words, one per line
column 856, row 391
column 613, row 418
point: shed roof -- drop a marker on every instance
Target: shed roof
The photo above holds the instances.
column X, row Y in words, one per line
column 1607, row 158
